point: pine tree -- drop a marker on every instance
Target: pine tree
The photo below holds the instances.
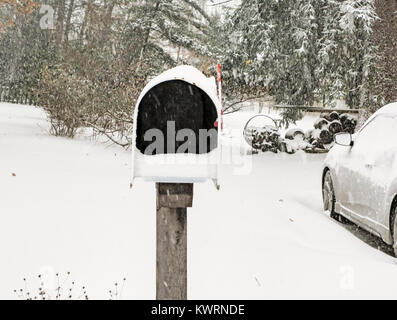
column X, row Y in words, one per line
column 165, row 23
column 24, row 48
column 302, row 51
column 347, row 56
column 384, row 38
column 90, row 69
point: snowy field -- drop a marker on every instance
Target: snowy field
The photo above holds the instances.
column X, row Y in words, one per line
column 65, row 205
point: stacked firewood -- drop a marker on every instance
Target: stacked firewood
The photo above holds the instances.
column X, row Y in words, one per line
column 294, row 141
column 269, row 139
column 327, row 126
column 265, row 139
column 319, row 139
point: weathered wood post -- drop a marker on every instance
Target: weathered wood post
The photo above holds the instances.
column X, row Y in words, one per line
column 173, row 199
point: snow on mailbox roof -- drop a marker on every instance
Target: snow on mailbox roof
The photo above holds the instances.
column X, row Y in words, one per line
column 188, row 74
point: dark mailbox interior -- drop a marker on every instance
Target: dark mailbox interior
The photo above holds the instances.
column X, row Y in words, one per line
column 179, row 101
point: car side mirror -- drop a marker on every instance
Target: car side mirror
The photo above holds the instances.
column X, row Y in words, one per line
column 344, row 139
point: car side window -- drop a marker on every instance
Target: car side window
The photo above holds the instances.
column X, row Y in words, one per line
column 378, row 137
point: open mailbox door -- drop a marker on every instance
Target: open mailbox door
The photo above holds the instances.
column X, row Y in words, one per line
column 175, row 133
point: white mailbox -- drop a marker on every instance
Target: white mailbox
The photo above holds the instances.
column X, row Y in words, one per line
column 175, row 133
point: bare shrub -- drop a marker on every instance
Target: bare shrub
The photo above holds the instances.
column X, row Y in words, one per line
column 80, row 92
column 64, row 289
column 64, row 99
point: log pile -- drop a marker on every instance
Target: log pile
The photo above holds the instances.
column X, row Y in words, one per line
column 318, row 140
column 325, row 128
column 265, row 139
column 294, row 140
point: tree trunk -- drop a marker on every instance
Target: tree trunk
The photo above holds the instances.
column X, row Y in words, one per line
column 107, row 23
column 68, row 21
column 384, row 36
column 147, row 36
column 60, row 23
column 86, row 21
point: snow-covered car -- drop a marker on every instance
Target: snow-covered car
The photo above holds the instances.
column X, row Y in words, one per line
column 360, row 176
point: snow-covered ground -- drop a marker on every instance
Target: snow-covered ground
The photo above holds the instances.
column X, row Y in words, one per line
column 65, row 205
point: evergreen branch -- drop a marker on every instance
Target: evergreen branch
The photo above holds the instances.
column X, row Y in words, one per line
column 195, row 6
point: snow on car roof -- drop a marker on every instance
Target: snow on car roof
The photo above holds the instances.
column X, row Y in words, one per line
column 388, row 109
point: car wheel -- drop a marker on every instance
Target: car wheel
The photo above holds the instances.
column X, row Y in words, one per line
column 394, row 227
column 329, row 198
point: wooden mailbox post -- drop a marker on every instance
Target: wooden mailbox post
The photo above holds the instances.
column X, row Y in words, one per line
column 173, row 199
